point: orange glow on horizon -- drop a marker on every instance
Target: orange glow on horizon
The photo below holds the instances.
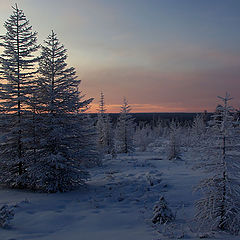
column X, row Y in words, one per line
column 144, row 108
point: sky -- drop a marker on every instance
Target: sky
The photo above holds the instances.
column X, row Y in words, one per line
column 162, row 55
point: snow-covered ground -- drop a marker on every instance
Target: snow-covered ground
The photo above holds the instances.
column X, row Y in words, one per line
column 116, row 205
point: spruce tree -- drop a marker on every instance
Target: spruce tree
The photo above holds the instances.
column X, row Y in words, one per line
column 104, row 128
column 219, row 208
column 124, row 130
column 65, row 137
column 162, row 213
column 17, row 68
column 101, row 123
column 143, row 136
column 197, row 131
column 173, row 148
column 102, row 109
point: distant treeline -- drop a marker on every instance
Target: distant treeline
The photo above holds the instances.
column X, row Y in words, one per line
column 155, row 117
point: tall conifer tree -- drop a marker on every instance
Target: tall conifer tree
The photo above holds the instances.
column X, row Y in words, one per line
column 64, row 135
column 104, row 128
column 124, row 130
column 219, row 208
column 17, row 68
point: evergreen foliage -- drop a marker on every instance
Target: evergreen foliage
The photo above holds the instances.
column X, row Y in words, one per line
column 199, row 125
column 219, row 209
column 174, row 141
column 143, row 136
column 102, row 109
column 17, row 69
column 124, row 130
column 162, row 213
column 104, row 128
column 65, row 138
column 197, row 133
column 6, row 215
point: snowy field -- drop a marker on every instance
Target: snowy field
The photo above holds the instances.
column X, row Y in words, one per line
column 116, row 205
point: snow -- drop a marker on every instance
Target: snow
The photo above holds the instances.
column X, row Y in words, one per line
column 117, row 203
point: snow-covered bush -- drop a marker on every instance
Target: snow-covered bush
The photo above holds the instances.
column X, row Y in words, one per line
column 162, row 213
column 6, row 215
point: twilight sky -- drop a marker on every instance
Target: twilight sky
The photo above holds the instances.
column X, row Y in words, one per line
column 162, row 55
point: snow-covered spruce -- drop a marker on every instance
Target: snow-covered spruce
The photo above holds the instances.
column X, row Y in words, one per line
column 124, row 130
column 143, row 136
column 102, row 108
column 219, row 209
column 197, row 132
column 162, row 213
column 65, row 138
column 6, row 215
column 199, row 125
column 104, row 129
column 86, row 146
column 173, row 148
column 161, row 128
column 17, row 73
